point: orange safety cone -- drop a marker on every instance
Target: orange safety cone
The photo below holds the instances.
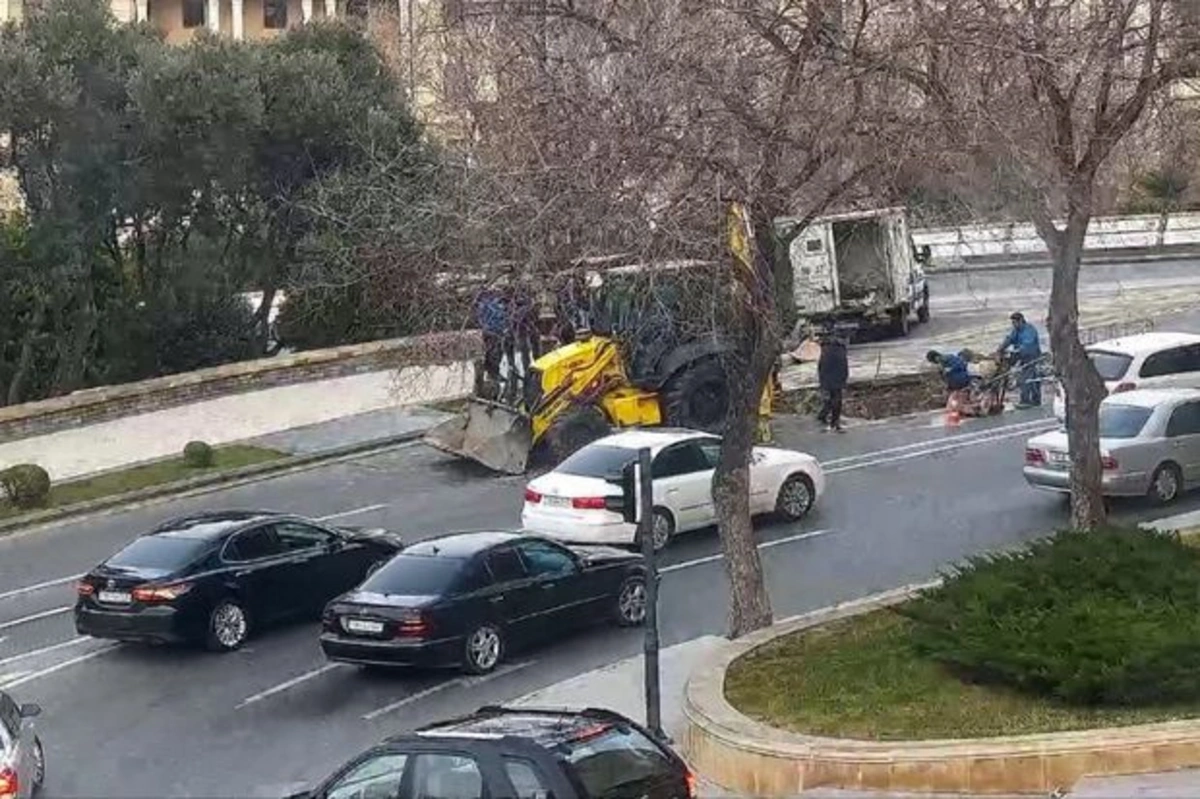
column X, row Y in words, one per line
column 953, row 416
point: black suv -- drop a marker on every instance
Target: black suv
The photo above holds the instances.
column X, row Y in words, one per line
column 516, row 753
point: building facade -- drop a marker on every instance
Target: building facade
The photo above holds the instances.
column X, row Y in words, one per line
column 180, row 20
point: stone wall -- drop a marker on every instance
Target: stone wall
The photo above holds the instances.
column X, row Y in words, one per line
column 110, row 402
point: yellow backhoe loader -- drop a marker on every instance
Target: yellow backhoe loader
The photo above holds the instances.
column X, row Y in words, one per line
column 639, row 366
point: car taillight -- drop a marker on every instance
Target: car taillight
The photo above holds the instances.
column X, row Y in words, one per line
column 84, row 588
column 9, row 784
column 1124, row 387
column 160, row 593
column 589, row 503
column 1034, row 456
column 692, row 786
column 532, row 497
column 414, row 625
column 1108, row 463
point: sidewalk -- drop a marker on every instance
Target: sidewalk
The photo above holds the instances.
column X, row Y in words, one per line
column 259, row 417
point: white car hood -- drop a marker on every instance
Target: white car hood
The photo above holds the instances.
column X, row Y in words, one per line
column 771, row 456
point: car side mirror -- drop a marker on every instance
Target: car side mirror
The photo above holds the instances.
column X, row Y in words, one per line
column 30, row 711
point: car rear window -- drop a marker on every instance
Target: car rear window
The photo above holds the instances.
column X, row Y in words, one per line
column 160, row 553
column 1110, row 365
column 616, row 762
column 1122, row 421
column 415, row 575
column 599, row 461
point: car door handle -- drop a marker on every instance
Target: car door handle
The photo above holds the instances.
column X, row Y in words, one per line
column 548, row 586
column 242, row 573
column 497, row 599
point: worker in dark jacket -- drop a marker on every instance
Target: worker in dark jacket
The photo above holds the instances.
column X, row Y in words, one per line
column 1023, row 341
column 833, row 371
column 953, row 368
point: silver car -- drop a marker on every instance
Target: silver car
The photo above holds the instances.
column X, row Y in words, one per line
column 22, row 759
column 1149, row 445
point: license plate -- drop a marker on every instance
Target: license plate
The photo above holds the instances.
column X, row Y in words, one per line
column 363, row 626
column 115, row 597
column 1059, row 458
column 558, row 502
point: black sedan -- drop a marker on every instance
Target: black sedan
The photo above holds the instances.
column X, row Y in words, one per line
column 214, row 577
column 462, row 600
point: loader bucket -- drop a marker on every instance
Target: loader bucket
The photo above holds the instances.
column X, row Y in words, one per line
column 495, row 435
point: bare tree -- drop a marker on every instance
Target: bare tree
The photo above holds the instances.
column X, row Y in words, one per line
column 1035, row 95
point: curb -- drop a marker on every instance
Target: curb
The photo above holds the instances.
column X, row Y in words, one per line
column 201, row 484
column 1044, row 262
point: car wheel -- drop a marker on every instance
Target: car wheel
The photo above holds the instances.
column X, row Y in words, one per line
column 228, row 626
column 483, row 649
column 631, row 602
column 1166, row 484
column 662, row 529
column 39, row 765
column 795, row 498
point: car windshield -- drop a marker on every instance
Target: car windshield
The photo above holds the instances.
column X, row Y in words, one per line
column 597, row 461
column 1110, row 365
column 616, row 763
column 414, row 575
column 1122, row 421
column 162, row 553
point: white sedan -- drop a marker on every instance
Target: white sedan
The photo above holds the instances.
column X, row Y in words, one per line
column 569, row 502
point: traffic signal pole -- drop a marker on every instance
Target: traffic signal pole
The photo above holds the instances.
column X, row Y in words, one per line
column 645, row 496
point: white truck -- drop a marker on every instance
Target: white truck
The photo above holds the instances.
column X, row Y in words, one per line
column 860, row 270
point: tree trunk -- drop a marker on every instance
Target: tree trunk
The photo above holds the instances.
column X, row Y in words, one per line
column 16, row 388
column 1083, row 385
column 748, row 369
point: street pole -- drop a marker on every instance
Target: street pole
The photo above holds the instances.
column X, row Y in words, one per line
column 650, row 644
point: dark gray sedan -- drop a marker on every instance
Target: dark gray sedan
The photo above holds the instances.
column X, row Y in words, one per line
column 1149, row 446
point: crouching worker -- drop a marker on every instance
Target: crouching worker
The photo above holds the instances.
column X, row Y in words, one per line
column 956, row 375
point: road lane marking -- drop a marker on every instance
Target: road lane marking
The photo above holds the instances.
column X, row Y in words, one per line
column 461, row 682
column 52, row 648
column 45, row 614
column 283, row 686
column 39, row 586
column 947, row 447
column 353, row 512
column 687, row 564
column 46, row 672
column 964, row 438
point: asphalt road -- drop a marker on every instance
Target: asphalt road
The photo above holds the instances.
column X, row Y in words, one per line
column 905, row 499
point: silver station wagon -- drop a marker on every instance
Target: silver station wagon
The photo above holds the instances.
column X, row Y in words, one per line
column 1149, row 445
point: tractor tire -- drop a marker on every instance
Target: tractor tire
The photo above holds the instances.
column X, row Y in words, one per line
column 697, row 397
column 573, row 431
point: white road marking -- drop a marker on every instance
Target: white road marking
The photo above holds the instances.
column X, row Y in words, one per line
column 461, row 682
column 39, row 586
column 949, row 446
column 283, row 686
column 46, row 672
column 687, row 564
column 978, row 436
column 52, row 648
column 353, row 512
column 45, row 614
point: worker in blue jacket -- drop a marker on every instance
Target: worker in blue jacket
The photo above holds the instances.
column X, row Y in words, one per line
column 953, row 368
column 1027, row 348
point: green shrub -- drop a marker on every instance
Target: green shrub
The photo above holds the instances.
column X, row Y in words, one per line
column 26, row 485
column 1110, row 617
column 198, row 455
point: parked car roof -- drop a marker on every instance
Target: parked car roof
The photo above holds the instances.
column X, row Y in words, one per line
column 1142, row 343
column 460, row 545
column 547, row 727
column 1152, row 397
column 655, row 438
column 214, row 524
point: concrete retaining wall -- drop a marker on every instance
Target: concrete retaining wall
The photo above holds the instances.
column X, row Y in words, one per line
column 110, row 402
column 972, row 244
column 754, row 759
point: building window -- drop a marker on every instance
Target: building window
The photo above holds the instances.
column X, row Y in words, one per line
column 193, row 13
column 275, row 14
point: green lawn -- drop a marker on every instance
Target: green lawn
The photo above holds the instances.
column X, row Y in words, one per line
column 861, row 678
column 146, row 475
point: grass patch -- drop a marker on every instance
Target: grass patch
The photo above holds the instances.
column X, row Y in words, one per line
column 146, row 475
column 863, row 678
